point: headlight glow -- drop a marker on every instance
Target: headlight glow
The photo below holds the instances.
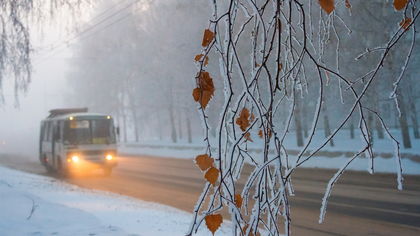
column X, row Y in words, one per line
column 75, row 158
column 109, row 157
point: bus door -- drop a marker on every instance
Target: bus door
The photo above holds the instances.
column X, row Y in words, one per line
column 56, row 144
column 47, row 144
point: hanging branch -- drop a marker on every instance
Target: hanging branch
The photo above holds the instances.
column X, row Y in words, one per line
column 268, row 58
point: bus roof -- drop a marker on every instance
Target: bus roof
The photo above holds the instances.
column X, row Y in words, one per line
column 74, row 113
column 57, row 112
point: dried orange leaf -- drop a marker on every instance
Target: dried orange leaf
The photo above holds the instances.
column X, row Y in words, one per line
column 400, row 4
column 206, row 82
column 196, row 94
column 238, row 200
column 406, row 23
column 206, row 62
column 213, row 222
column 198, row 57
column 328, row 77
column 261, row 134
column 248, row 137
column 204, row 161
column 348, row 5
column 205, row 98
column 327, row 5
column 250, row 233
column 207, row 38
column 205, row 92
column 242, row 120
column 211, row 175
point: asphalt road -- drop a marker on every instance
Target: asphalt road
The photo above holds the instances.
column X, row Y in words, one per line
column 360, row 204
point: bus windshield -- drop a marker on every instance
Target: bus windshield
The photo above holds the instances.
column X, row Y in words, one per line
column 99, row 131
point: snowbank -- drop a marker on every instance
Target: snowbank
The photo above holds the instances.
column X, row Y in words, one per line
column 37, row 205
column 329, row 157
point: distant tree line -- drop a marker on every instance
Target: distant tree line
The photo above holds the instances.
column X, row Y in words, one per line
column 141, row 70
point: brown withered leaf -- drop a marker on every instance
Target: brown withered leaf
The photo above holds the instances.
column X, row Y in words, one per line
column 204, row 161
column 242, row 120
column 406, row 23
column 213, row 222
column 205, row 92
column 207, row 38
column 205, row 98
column 238, row 200
column 206, row 82
column 348, row 5
column 196, row 94
column 328, row 76
column 250, row 233
column 327, row 5
column 252, row 118
column 211, row 175
column 400, row 4
column 261, row 133
column 248, row 137
column 198, row 57
column 206, row 62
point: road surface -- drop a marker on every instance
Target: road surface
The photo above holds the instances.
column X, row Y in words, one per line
column 360, row 204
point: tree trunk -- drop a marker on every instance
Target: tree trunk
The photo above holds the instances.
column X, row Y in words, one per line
column 327, row 124
column 378, row 124
column 403, row 120
column 413, row 112
column 304, row 120
column 298, row 124
column 118, row 121
column 189, row 130
column 370, row 126
column 179, row 128
column 124, row 116
column 160, row 127
column 172, row 121
column 125, row 127
column 136, row 132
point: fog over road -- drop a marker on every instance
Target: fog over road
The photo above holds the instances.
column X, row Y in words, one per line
column 360, row 204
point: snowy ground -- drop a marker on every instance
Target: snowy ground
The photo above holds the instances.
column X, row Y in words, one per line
column 37, row 205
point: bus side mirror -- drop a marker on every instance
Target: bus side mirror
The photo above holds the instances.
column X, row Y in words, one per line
column 118, row 130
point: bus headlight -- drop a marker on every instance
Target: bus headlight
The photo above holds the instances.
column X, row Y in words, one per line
column 75, row 158
column 109, row 157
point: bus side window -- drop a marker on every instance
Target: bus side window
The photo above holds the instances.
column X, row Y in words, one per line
column 46, row 126
column 50, row 131
column 60, row 128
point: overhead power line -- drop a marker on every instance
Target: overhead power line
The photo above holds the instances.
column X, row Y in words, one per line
column 66, row 42
column 95, row 32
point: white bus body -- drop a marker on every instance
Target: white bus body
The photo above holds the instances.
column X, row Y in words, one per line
column 75, row 139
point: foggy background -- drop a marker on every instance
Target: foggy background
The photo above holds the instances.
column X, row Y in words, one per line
column 134, row 60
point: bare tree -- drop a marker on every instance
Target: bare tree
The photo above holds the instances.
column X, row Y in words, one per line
column 292, row 44
column 16, row 18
